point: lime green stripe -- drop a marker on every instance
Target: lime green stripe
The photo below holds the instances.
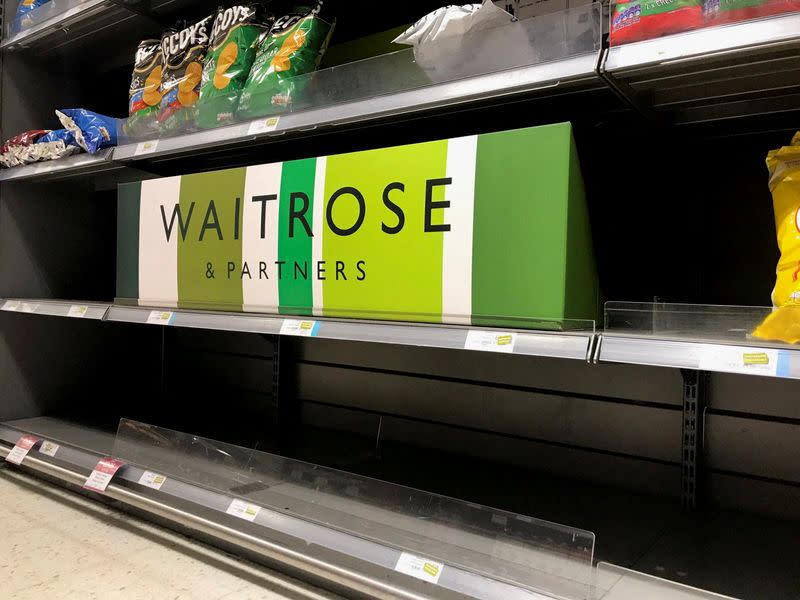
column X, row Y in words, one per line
column 197, row 258
column 128, row 240
column 403, row 270
column 519, row 233
column 295, row 286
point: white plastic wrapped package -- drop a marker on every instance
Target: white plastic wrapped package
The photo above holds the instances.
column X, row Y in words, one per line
column 454, row 42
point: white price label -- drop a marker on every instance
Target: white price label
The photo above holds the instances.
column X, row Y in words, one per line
column 421, row 568
column 243, row 510
column 263, row 125
column 152, row 480
column 11, row 305
column 147, row 147
column 491, row 341
column 768, row 362
column 28, row 308
column 300, row 328
column 103, row 474
column 49, row 448
column 77, row 311
column 160, row 317
column 21, row 449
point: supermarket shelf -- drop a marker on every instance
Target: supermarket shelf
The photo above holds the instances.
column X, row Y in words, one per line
column 712, row 74
column 700, row 355
column 569, row 345
column 542, row 78
column 694, row 336
column 294, row 536
column 59, row 19
column 79, row 164
column 56, row 308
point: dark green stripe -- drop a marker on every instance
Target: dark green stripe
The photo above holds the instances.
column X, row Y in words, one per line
column 520, row 226
column 295, row 286
column 128, row 241
column 583, row 299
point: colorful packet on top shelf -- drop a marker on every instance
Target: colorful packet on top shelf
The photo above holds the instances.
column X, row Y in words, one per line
column 636, row 20
column 719, row 12
column 783, row 324
column 292, row 48
column 183, row 53
column 92, row 131
column 230, row 56
column 24, row 18
column 145, row 92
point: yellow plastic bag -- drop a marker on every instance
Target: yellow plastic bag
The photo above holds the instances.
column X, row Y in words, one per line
column 784, row 183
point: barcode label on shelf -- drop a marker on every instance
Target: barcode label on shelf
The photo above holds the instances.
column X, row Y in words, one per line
column 768, row 362
column 491, row 341
column 77, row 311
column 243, row 510
column 21, row 449
column 300, row 328
column 28, row 308
column 160, row 317
column 103, row 474
column 11, row 305
column 263, row 125
column 147, row 147
column 49, row 448
column 152, row 480
column 421, row 568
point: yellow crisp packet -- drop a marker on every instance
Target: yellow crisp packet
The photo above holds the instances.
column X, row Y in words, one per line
column 783, row 324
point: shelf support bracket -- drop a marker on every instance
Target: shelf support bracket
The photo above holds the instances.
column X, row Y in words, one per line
column 692, row 434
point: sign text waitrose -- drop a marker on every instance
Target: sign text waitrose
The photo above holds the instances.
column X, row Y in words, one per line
column 488, row 229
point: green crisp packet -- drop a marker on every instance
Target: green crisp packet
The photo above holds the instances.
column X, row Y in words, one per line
column 292, row 48
column 230, row 56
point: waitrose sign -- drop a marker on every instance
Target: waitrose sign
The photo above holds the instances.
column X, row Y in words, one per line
column 486, row 229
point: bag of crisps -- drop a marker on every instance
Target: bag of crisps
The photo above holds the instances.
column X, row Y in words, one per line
column 719, row 12
column 145, row 92
column 292, row 48
column 183, row 53
column 784, row 169
column 231, row 53
column 26, row 17
column 636, row 20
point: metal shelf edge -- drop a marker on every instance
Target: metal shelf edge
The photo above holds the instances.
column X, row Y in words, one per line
column 80, row 163
column 58, row 21
column 56, row 308
column 378, row 556
column 702, row 43
column 697, row 355
column 546, row 75
column 567, row 345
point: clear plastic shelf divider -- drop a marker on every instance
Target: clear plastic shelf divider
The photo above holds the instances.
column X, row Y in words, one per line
column 474, row 549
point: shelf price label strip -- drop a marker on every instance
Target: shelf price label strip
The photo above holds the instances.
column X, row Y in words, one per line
column 152, row 480
column 102, row 475
column 49, row 448
column 160, row 317
column 421, row 568
column 263, row 126
column 491, row 341
column 300, row 328
column 243, row 510
column 77, row 311
column 17, row 306
column 21, row 449
column 768, row 362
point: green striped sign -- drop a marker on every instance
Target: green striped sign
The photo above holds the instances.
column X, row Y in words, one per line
column 487, row 229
